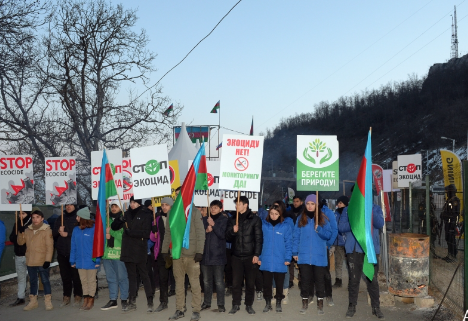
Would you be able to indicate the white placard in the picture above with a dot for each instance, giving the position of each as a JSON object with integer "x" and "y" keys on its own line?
{"x": 213, "y": 170}
{"x": 16, "y": 179}
{"x": 150, "y": 171}
{"x": 60, "y": 180}
{"x": 241, "y": 163}
{"x": 114, "y": 157}
{"x": 409, "y": 169}
{"x": 15, "y": 207}
{"x": 127, "y": 178}
{"x": 230, "y": 196}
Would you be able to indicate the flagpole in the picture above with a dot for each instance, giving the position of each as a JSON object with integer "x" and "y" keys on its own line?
{"x": 208, "y": 200}
{"x": 62, "y": 214}
{"x": 237, "y": 209}
{"x": 107, "y": 212}
{"x": 20, "y": 215}
{"x": 16, "y": 221}
{"x": 316, "y": 210}
{"x": 219, "y": 125}
{"x": 154, "y": 210}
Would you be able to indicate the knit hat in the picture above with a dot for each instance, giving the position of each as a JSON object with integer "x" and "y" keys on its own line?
{"x": 84, "y": 213}
{"x": 37, "y": 211}
{"x": 344, "y": 199}
{"x": 148, "y": 203}
{"x": 168, "y": 200}
{"x": 115, "y": 202}
{"x": 311, "y": 198}
{"x": 138, "y": 200}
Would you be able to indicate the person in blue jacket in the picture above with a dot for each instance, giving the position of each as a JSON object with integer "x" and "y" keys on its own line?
{"x": 2, "y": 240}
{"x": 276, "y": 255}
{"x": 355, "y": 260}
{"x": 81, "y": 256}
{"x": 338, "y": 246}
{"x": 310, "y": 251}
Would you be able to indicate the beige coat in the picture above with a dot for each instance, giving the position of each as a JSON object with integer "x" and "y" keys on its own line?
{"x": 196, "y": 237}
{"x": 39, "y": 245}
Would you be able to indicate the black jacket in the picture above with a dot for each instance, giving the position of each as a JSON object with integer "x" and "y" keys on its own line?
{"x": 214, "y": 252}
{"x": 137, "y": 229}
{"x": 248, "y": 240}
{"x": 20, "y": 250}
{"x": 294, "y": 213}
{"x": 63, "y": 244}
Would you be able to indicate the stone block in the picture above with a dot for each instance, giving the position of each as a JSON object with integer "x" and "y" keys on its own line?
{"x": 386, "y": 299}
{"x": 424, "y": 302}
{"x": 404, "y": 299}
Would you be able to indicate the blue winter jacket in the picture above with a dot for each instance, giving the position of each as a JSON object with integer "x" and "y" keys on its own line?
{"x": 340, "y": 239}
{"x": 277, "y": 247}
{"x": 350, "y": 241}
{"x": 2, "y": 237}
{"x": 81, "y": 252}
{"x": 331, "y": 217}
{"x": 262, "y": 213}
{"x": 309, "y": 245}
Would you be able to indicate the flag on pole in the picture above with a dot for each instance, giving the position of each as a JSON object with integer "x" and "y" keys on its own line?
{"x": 216, "y": 108}
{"x": 181, "y": 212}
{"x": 251, "y": 128}
{"x": 360, "y": 211}
{"x": 107, "y": 189}
{"x": 168, "y": 110}
{"x": 219, "y": 146}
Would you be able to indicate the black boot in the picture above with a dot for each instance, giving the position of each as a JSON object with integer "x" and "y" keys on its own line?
{"x": 124, "y": 304}
{"x": 351, "y": 311}
{"x": 267, "y": 307}
{"x": 17, "y": 302}
{"x": 320, "y": 306}
{"x": 305, "y": 305}
{"x": 162, "y": 306}
{"x": 249, "y": 309}
{"x": 338, "y": 283}
{"x": 234, "y": 309}
{"x": 150, "y": 304}
{"x": 376, "y": 311}
{"x": 131, "y": 306}
{"x": 278, "y": 306}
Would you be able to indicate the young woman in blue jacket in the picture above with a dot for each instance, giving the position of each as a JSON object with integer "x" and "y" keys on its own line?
{"x": 81, "y": 256}
{"x": 276, "y": 255}
{"x": 310, "y": 252}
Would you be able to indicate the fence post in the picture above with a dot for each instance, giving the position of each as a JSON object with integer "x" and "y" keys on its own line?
{"x": 428, "y": 225}
{"x": 465, "y": 223}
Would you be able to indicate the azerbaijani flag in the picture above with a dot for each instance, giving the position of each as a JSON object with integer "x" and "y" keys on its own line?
{"x": 216, "y": 108}
{"x": 251, "y": 128}
{"x": 360, "y": 211}
{"x": 171, "y": 107}
{"x": 219, "y": 146}
{"x": 181, "y": 211}
{"x": 106, "y": 189}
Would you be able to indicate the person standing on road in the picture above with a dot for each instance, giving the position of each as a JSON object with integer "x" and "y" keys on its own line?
{"x": 339, "y": 244}
{"x": 39, "y": 251}
{"x": 276, "y": 255}
{"x": 116, "y": 272}
{"x": 69, "y": 275}
{"x": 295, "y": 211}
{"x": 81, "y": 256}
{"x": 20, "y": 258}
{"x": 310, "y": 252}
{"x": 247, "y": 242}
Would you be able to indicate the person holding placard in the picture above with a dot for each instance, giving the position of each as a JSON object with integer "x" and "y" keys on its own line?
{"x": 310, "y": 251}
{"x": 39, "y": 252}
{"x": 63, "y": 232}
{"x": 23, "y": 221}
{"x": 276, "y": 255}
{"x": 247, "y": 241}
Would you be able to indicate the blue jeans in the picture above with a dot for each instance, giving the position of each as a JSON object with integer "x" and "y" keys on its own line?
{"x": 286, "y": 281}
{"x": 116, "y": 275}
{"x": 216, "y": 272}
{"x": 33, "y": 281}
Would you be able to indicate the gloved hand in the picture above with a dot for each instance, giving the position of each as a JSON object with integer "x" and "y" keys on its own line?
{"x": 122, "y": 218}
{"x": 331, "y": 251}
{"x": 46, "y": 265}
{"x": 198, "y": 257}
{"x": 154, "y": 229}
{"x": 21, "y": 229}
{"x": 128, "y": 232}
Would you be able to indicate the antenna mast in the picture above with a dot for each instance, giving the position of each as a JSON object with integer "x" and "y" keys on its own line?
{"x": 454, "y": 53}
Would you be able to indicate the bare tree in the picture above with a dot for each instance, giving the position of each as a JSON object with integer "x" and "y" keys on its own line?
{"x": 91, "y": 51}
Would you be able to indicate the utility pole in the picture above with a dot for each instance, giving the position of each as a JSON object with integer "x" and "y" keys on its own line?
{"x": 454, "y": 53}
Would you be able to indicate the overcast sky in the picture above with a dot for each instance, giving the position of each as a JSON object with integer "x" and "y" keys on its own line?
{"x": 272, "y": 59}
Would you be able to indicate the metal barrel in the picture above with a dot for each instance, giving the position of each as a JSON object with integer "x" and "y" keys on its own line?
{"x": 409, "y": 264}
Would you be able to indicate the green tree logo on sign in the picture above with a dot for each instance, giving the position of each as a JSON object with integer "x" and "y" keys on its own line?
{"x": 312, "y": 152}
{"x": 152, "y": 167}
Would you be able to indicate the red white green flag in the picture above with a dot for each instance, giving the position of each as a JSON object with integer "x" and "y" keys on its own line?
{"x": 216, "y": 107}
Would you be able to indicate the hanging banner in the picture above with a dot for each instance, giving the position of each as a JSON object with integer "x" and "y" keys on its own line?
{"x": 452, "y": 167}
{"x": 115, "y": 160}
{"x": 395, "y": 175}
{"x": 150, "y": 171}
{"x": 241, "y": 163}
{"x": 213, "y": 170}
{"x": 195, "y": 133}
{"x": 175, "y": 182}
{"x": 291, "y": 194}
{"x": 229, "y": 197}
{"x": 377, "y": 173}
{"x": 16, "y": 179}
{"x": 317, "y": 163}
{"x": 60, "y": 180}
{"x": 127, "y": 179}
{"x": 409, "y": 169}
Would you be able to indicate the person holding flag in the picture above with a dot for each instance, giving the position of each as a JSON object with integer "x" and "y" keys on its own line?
{"x": 360, "y": 224}
{"x": 186, "y": 233}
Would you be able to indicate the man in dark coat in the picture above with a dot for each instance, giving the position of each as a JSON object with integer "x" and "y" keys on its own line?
{"x": 136, "y": 223}
{"x": 247, "y": 242}
{"x": 63, "y": 235}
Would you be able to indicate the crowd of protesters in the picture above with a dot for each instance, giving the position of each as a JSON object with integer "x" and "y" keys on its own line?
{"x": 249, "y": 256}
